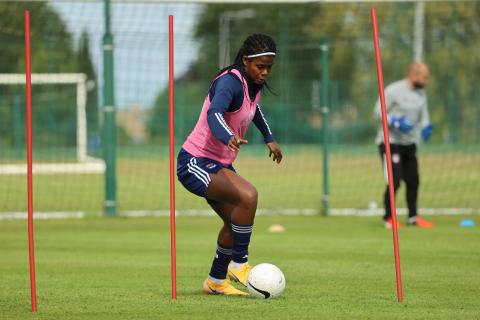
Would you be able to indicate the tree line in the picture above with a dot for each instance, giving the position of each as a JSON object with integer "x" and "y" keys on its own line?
{"x": 451, "y": 46}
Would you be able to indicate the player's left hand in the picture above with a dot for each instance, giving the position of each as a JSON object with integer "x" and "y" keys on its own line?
{"x": 427, "y": 132}
{"x": 275, "y": 151}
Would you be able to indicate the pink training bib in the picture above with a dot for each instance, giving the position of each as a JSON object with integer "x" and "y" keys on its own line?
{"x": 202, "y": 143}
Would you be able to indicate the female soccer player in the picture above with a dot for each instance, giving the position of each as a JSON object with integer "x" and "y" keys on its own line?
{"x": 204, "y": 164}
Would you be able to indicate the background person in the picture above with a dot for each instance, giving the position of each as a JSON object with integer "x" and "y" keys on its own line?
{"x": 407, "y": 114}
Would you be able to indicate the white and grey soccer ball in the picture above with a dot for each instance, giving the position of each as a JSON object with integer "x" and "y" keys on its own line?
{"x": 266, "y": 281}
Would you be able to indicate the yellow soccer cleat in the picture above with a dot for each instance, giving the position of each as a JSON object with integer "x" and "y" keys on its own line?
{"x": 224, "y": 287}
{"x": 240, "y": 274}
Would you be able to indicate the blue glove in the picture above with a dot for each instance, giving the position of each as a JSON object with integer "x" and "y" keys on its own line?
{"x": 400, "y": 123}
{"x": 427, "y": 132}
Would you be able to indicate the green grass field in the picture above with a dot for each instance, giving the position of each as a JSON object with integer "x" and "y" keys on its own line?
{"x": 449, "y": 179}
{"x": 336, "y": 268}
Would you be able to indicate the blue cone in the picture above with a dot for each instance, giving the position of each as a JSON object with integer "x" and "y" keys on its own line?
{"x": 467, "y": 223}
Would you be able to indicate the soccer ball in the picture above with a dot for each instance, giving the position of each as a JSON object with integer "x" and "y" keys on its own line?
{"x": 266, "y": 281}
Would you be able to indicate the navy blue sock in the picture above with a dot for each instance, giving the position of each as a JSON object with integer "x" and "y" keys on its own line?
{"x": 241, "y": 239}
{"x": 223, "y": 256}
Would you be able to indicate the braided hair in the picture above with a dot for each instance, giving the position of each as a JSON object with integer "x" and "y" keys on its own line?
{"x": 254, "y": 44}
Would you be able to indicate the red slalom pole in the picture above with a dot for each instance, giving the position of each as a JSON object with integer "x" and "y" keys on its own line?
{"x": 173, "y": 248}
{"x": 388, "y": 154}
{"x": 28, "y": 113}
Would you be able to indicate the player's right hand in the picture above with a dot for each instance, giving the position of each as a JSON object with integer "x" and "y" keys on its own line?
{"x": 235, "y": 142}
{"x": 400, "y": 123}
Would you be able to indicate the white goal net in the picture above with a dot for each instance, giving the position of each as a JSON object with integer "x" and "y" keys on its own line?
{"x": 59, "y": 130}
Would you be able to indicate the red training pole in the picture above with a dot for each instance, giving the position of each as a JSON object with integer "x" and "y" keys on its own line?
{"x": 173, "y": 248}
{"x": 28, "y": 113}
{"x": 388, "y": 155}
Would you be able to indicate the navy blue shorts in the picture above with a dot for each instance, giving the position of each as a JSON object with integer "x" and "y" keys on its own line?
{"x": 193, "y": 172}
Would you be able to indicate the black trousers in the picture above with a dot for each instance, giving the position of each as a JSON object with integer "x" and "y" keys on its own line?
{"x": 404, "y": 167}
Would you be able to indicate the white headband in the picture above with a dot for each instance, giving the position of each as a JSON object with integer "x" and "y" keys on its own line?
{"x": 261, "y": 54}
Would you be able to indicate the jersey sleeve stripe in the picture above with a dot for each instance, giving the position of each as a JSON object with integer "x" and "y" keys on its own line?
{"x": 264, "y": 120}
{"x": 220, "y": 118}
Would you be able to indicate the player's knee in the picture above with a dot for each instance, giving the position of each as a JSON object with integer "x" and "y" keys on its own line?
{"x": 249, "y": 198}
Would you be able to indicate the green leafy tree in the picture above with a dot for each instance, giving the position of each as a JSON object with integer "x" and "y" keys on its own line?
{"x": 297, "y": 63}
{"x": 51, "y": 44}
{"x": 51, "y": 51}
{"x": 450, "y": 49}
{"x": 85, "y": 65}
{"x": 451, "y": 37}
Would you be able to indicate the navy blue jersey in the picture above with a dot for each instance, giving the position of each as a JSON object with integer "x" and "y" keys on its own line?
{"x": 226, "y": 95}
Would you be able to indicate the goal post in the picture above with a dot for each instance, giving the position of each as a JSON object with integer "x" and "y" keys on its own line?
{"x": 84, "y": 163}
